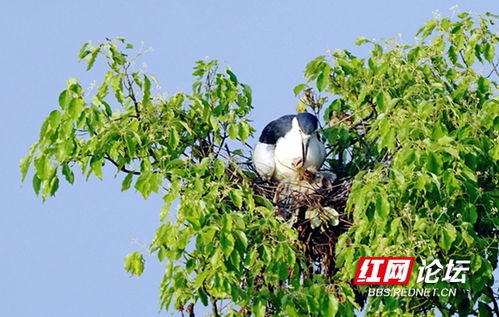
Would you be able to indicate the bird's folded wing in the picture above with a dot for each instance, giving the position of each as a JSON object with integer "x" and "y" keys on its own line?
{"x": 263, "y": 159}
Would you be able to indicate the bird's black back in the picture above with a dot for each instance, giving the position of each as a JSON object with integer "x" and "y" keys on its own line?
{"x": 276, "y": 129}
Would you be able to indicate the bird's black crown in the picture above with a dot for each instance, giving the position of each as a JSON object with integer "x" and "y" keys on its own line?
{"x": 308, "y": 122}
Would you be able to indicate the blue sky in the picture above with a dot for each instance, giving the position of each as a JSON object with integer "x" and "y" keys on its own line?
{"x": 65, "y": 257}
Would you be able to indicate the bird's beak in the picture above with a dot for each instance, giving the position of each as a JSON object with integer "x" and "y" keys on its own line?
{"x": 304, "y": 149}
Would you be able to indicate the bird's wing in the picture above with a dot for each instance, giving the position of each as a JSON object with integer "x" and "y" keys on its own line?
{"x": 316, "y": 155}
{"x": 263, "y": 159}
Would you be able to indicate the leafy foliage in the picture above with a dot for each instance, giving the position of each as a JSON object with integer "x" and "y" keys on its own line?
{"x": 414, "y": 126}
{"x": 417, "y": 125}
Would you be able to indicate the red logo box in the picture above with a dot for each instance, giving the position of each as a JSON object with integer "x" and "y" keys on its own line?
{"x": 384, "y": 271}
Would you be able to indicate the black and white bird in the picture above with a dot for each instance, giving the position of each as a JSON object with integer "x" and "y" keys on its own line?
{"x": 288, "y": 146}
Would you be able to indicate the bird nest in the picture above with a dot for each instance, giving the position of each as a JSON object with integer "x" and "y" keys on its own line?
{"x": 315, "y": 207}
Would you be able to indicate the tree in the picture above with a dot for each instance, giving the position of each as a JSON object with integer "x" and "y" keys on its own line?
{"x": 411, "y": 131}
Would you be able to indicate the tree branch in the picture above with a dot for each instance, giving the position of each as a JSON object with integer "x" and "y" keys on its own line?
{"x": 190, "y": 310}
{"x": 494, "y": 69}
{"x": 494, "y": 301}
{"x": 214, "y": 307}
{"x": 121, "y": 168}
{"x": 131, "y": 93}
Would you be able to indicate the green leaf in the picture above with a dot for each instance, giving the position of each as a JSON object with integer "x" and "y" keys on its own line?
{"x": 219, "y": 167}
{"x": 452, "y": 53}
{"x": 96, "y": 166}
{"x": 244, "y": 131}
{"x": 54, "y": 185}
{"x": 36, "y": 184}
{"x": 247, "y": 93}
{"x": 92, "y": 57}
{"x": 471, "y": 214}
{"x": 68, "y": 173}
{"x": 233, "y": 131}
{"x": 484, "y": 310}
{"x": 428, "y": 28}
{"x": 107, "y": 108}
{"x": 117, "y": 86}
{"x": 134, "y": 263}
{"x": 291, "y": 311}
{"x": 489, "y": 51}
{"x": 347, "y": 66}
{"x": 259, "y": 308}
{"x": 382, "y": 205}
{"x": 232, "y": 76}
{"x": 372, "y": 64}
{"x": 469, "y": 55}
{"x": 127, "y": 181}
{"x": 83, "y": 51}
{"x": 382, "y": 101}
{"x": 227, "y": 243}
{"x": 476, "y": 263}
{"x": 299, "y": 89}
{"x": 173, "y": 138}
{"x": 116, "y": 55}
{"x": 323, "y": 78}
{"x": 147, "y": 90}
{"x": 43, "y": 167}
{"x": 241, "y": 236}
{"x": 24, "y": 166}
{"x": 467, "y": 238}
{"x": 237, "y": 197}
{"x": 75, "y": 108}
{"x": 227, "y": 223}
{"x": 483, "y": 84}
{"x": 322, "y": 81}
{"x": 434, "y": 163}
{"x": 447, "y": 236}
{"x": 64, "y": 99}
{"x": 361, "y": 40}
{"x": 130, "y": 143}
{"x": 330, "y": 305}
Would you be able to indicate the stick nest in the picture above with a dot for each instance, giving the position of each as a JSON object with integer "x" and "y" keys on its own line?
{"x": 315, "y": 208}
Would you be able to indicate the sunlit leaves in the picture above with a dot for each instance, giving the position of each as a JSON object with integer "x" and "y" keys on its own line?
{"x": 419, "y": 121}
{"x": 427, "y": 29}
{"x": 414, "y": 126}
{"x": 134, "y": 263}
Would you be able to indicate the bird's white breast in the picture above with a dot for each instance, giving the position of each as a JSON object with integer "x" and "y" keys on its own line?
{"x": 288, "y": 151}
